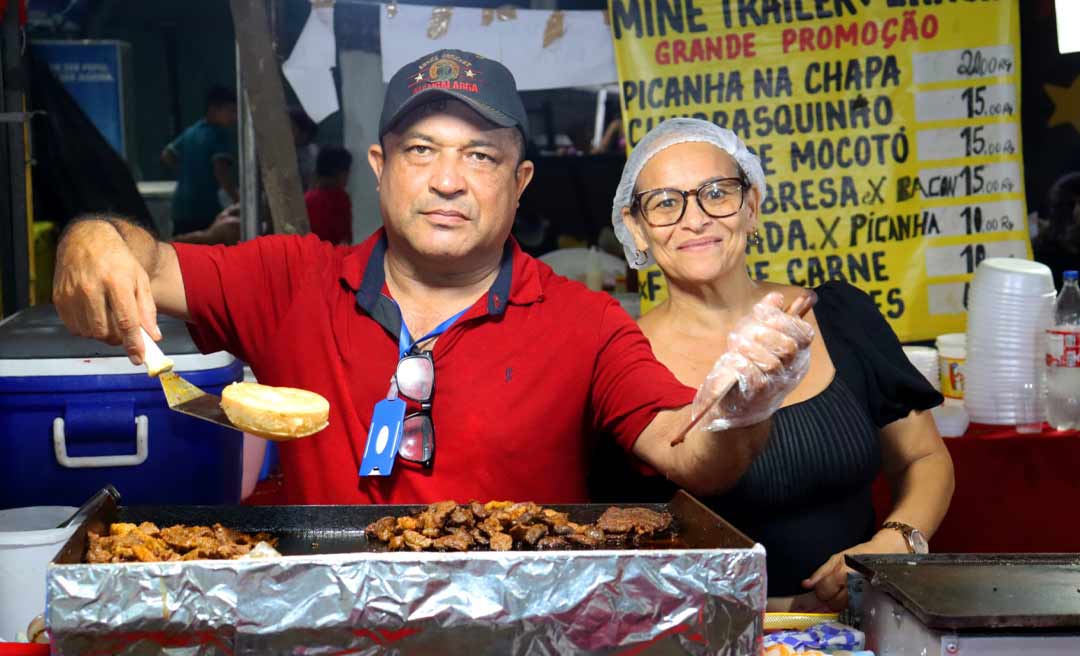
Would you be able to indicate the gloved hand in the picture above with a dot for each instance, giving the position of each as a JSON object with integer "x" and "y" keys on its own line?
{"x": 768, "y": 355}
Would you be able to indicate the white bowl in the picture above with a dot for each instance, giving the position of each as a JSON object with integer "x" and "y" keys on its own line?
{"x": 29, "y": 539}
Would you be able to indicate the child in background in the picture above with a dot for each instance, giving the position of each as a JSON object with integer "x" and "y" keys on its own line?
{"x": 328, "y": 205}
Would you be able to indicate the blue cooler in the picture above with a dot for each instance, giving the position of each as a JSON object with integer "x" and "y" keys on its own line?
{"x": 75, "y": 414}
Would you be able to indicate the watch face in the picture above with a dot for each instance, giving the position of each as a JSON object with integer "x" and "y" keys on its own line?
{"x": 918, "y": 542}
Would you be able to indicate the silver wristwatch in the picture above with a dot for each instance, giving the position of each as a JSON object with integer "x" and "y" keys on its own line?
{"x": 916, "y": 541}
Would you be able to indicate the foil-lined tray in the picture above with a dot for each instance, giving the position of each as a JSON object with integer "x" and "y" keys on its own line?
{"x": 336, "y": 593}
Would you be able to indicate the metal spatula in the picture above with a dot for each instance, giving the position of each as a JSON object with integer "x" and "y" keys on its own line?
{"x": 181, "y": 395}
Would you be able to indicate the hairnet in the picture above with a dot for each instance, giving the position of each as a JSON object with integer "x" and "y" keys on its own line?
{"x": 667, "y": 134}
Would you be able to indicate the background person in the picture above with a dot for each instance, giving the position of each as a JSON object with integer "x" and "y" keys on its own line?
{"x": 328, "y": 205}
{"x": 203, "y": 157}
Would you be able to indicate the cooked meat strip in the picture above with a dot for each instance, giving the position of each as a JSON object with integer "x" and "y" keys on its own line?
{"x": 592, "y": 532}
{"x": 416, "y": 541}
{"x": 584, "y": 540}
{"x": 437, "y": 514}
{"x": 147, "y": 543}
{"x": 458, "y": 540}
{"x": 185, "y": 538}
{"x": 530, "y": 534}
{"x": 491, "y": 526}
{"x": 383, "y": 529}
{"x": 478, "y": 535}
{"x": 554, "y": 518}
{"x": 505, "y": 525}
{"x": 641, "y": 521}
{"x": 461, "y": 516}
{"x": 501, "y": 542}
{"x": 553, "y": 543}
{"x": 517, "y": 510}
{"x": 501, "y": 515}
{"x": 120, "y": 529}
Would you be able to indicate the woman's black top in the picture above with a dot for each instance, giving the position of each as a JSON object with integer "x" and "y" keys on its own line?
{"x": 808, "y": 494}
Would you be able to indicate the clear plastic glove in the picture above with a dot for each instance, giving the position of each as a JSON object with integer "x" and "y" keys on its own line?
{"x": 768, "y": 355}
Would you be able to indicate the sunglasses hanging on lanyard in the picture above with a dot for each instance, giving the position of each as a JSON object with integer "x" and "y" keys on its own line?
{"x": 414, "y": 377}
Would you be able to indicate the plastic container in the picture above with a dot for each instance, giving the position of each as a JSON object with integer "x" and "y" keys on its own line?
{"x": 1008, "y": 275}
{"x": 951, "y": 420}
{"x": 925, "y": 359}
{"x": 76, "y": 415}
{"x": 29, "y": 540}
{"x": 952, "y": 354}
{"x": 1063, "y": 358}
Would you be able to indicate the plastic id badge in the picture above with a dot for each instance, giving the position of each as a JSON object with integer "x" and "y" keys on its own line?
{"x": 383, "y": 439}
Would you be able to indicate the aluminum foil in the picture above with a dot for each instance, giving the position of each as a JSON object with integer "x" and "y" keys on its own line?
{"x": 696, "y": 601}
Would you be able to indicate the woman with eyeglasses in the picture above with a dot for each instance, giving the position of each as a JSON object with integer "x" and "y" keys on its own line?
{"x": 690, "y": 200}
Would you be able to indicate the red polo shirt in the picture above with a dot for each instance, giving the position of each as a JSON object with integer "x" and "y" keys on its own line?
{"x": 532, "y": 370}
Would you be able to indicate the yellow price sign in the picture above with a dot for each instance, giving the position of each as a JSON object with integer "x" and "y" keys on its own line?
{"x": 889, "y": 133}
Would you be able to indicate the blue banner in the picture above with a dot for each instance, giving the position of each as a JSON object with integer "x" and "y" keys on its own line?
{"x": 91, "y": 74}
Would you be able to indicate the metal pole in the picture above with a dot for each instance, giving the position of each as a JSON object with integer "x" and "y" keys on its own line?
{"x": 251, "y": 206}
{"x": 266, "y": 101}
{"x": 16, "y": 247}
{"x": 7, "y": 249}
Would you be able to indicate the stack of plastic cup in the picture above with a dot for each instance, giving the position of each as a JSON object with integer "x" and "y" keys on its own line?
{"x": 1010, "y": 307}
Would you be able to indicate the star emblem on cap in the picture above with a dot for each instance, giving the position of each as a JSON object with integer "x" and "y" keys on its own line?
{"x": 469, "y": 73}
{"x": 419, "y": 77}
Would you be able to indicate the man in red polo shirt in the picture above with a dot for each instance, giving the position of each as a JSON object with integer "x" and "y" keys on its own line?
{"x": 522, "y": 365}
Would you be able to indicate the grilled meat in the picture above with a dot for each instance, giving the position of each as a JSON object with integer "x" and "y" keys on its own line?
{"x": 382, "y": 528}
{"x": 639, "y": 521}
{"x": 416, "y": 541}
{"x": 553, "y": 543}
{"x": 457, "y": 540}
{"x": 501, "y": 542}
{"x": 147, "y": 543}
{"x": 506, "y": 525}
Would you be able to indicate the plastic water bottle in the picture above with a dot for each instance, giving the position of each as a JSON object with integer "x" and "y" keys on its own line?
{"x": 1063, "y": 358}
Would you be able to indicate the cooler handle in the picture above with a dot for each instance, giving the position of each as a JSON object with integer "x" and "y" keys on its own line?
{"x": 142, "y": 448}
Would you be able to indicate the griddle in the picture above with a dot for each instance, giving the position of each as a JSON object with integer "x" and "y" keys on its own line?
{"x": 319, "y": 530}
{"x": 966, "y": 592}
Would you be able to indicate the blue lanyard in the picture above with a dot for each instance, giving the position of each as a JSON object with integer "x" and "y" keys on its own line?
{"x": 406, "y": 342}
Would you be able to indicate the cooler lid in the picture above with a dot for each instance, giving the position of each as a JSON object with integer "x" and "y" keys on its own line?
{"x": 34, "y": 342}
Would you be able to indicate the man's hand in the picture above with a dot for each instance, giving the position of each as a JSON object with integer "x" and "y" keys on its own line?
{"x": 101, "y": 290}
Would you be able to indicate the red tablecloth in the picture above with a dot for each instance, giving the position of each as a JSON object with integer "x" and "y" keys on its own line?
{"x": 1014, "y": 492}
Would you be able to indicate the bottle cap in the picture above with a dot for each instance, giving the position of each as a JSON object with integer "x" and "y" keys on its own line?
{"x": 1070, "y": 275}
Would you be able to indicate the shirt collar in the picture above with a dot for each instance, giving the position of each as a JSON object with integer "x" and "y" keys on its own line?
{"x": 517, "y": 283}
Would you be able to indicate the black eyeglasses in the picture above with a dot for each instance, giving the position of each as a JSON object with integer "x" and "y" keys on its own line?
{"x": 718, "y": 198}
{"x": 415, "y": 378}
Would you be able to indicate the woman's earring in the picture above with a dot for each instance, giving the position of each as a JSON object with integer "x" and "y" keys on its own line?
{"x": 755, "y": 238}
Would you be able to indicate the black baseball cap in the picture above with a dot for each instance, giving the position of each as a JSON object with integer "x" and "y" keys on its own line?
{"x": 483, "y": 84}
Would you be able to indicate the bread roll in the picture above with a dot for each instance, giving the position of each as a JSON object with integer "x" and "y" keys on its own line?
{"x": 276, "y": 413}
